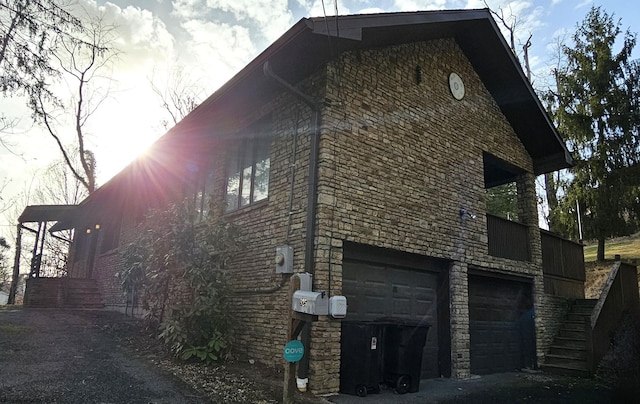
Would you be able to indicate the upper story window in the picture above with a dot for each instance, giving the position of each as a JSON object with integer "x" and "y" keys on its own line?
{"x": 199, "y": 188}
{"x": 248, "y": 165}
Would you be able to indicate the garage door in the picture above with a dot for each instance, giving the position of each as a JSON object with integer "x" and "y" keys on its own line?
{"x": 379, "y": 290}
{"x": 497, "y": 330}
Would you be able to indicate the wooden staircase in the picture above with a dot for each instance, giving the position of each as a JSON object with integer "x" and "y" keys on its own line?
{"x": 81, "y": 293}
{"x": 568, "y": 354}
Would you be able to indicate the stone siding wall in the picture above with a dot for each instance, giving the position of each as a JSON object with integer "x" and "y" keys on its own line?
{"x": 549, "y": 319}
{"x": 399, "y": 158}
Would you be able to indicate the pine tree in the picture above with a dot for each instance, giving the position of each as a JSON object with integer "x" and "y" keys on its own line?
{"x": 596, "y": 109}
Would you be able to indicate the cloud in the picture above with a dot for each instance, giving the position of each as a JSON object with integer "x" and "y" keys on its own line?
{"x": 219, "y": 48}
{"x": 273, "y": 16}
{"x": 188, "y": 9}
{"x": 142, "y": 37}
{"x": 416, "y": 5}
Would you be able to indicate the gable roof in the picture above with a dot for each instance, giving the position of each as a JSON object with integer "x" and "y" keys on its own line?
{"x": 312, "y": 42}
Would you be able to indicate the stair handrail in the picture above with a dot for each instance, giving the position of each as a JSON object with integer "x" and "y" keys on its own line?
{"x": 595, "y": 314}
{"x": 619, "y": 296}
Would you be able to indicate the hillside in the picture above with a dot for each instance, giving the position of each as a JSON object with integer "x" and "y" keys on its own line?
{"x": 627, "y": 247}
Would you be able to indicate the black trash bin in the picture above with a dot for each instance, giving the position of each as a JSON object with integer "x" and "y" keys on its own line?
{"x": 404, "y": 342}
{"x": 361, "y": 358}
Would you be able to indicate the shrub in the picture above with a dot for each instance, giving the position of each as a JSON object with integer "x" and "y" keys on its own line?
{"x": 178, "y": 263}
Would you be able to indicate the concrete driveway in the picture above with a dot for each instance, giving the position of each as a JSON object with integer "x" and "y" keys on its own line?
{"x": 66, "y": 356}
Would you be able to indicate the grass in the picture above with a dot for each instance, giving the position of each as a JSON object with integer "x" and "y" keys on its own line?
{"x": 628, "y": 248}
{"x": 597, "y": 272}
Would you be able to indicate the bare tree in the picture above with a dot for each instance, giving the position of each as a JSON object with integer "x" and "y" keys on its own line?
{"x": 58, "y": 186}
{"x": 28, "y": 29}
{"x": 510, "y": 23}
{"x": 28, "y": 32}
{"x": 4, "y": 264}
{"x": 86, "y": 67}
{"x": 179, "y": 96}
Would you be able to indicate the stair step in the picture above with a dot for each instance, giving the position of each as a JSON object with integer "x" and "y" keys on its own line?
{"x": 84, "y": 306}
{"x": 573, "y": 325}
{"x": 568, "y": 352}
{"x": 586, "y": 302}
{"x": 565, "y": 370}
{"x": 577, "y": 318}
{"x": 561, "y": 353}
{"x": 570, "y": 363}
{"x": 572, "y": 334}
{"x": 570, "y": 342}
{"x": 82, "y": 293}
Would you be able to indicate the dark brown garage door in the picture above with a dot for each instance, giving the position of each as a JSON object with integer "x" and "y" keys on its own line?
{"x": 379, "y": 290}
{"x": 498, "y": 332}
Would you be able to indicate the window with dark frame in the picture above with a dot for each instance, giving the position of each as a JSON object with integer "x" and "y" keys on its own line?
{"x": 200, "y": 189}
{"x": 111, "y": 234}
{"x": 247, "y": 170}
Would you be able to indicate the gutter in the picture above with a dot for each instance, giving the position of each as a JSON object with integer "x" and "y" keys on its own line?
{"x": 303, "y": 365}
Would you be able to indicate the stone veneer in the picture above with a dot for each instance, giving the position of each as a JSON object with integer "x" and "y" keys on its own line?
{"x": 398, "y": 160}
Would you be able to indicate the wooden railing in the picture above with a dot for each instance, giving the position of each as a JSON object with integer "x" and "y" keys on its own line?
{"x": 507, "y": 239}
{"x": 619, "y": 296}
{"x": 562, "y": 257}
{"x": 563, "y": 266}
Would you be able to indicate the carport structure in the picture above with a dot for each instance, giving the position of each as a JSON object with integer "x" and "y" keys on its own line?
{"x": 42, "y": 215}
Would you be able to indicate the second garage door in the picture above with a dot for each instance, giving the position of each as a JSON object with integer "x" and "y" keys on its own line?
{"x": 501, "y": 332}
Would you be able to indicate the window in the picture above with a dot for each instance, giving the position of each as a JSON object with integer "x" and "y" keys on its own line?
{"x": 200, "y": 188}
{"x": 111, "y": 234}
{"x": 248, "y": 172}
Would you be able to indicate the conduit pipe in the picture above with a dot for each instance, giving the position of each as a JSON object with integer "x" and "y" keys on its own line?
{"x": 303, "y": 365}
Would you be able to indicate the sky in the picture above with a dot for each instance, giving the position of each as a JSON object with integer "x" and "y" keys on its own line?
{"x": 211, "y": 40}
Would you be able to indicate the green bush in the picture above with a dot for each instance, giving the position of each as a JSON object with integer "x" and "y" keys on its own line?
{"x": 178, "y": 265}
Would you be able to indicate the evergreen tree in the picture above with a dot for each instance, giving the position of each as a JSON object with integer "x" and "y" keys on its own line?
{"x": 596, "y": 109}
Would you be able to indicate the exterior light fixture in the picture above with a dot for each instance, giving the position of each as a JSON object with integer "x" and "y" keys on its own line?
{"x": 97, "y": 227}
{"x": 464, "y": 214}
{"x": 88, "y": 231}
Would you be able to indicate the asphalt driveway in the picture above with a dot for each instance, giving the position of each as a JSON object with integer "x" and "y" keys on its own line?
{"x": 54, "y": 356}
{"x": 67, "y": 356}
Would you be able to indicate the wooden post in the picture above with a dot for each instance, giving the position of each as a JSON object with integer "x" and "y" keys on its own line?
{"x": 290, "y": 367}
{"x": 295, "y": 322}
{"x": 16, "y": 268}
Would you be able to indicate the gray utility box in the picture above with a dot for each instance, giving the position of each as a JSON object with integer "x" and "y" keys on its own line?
{"x": 284, "y": 259}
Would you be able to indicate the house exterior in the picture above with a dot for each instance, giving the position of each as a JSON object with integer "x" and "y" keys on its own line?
{"x": 366, "y": 143}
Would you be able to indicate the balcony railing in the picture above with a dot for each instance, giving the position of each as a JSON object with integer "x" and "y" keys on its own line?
{"x": 562, "y": 260}
{"x": 562, "y": 257}
{"x": 507, "y": 239}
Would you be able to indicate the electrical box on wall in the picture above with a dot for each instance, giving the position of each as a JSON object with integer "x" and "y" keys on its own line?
{"x": 315, "y": 303}
{"x": 284, "y": 259}
{"x": 338, "y": 306}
